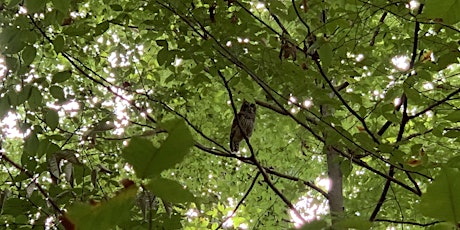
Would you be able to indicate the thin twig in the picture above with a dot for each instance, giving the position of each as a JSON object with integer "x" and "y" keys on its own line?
{"x": 253, "y": 156}
{"x": 34, "y": 180}
{"x": 241, "y": 201}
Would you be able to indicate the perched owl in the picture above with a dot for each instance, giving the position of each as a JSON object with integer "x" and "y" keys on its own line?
{"x": 247, "y": 117}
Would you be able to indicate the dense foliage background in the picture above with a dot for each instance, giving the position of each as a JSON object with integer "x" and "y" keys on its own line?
{"x": 116, "y": 114}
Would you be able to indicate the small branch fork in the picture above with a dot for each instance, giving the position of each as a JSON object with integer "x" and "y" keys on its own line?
{"x": 253, "y": 156}
{"x": 34, "y": 180}
{"x": 404, "y": 120}
{"x": 241, "y": 201}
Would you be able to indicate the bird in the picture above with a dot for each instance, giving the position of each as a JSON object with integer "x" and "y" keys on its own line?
{"x": 247, "y": 118}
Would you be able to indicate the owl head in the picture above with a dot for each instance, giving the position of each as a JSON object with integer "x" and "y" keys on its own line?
{"x": 248, "y": 107}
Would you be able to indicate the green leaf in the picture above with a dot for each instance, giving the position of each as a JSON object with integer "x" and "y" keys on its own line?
{"x": 149, "y": 161}
{"x": 162, "y": 43}
{"x": 28, "y": 55}
{"x": 35, "y": 99}
{"x": 165, "y": 57}
{"x": 354, "y": 223}
{"x": 139, "y": 153}
{"x": 170, "y": 190}
{"x": 24, "y": 94}
{"x": 52, "y": 119}
{"x": 176, "y": 146}
{"x": 453, "y": 116}
{"x": 325, "y": 54}
{"x": 61, "y": 76}
{"x": 315, "y": 225}
{"x": 57, "y": 92}
{"x": 445, "y": 9}
{"x": 31, "y": 143}
{"x": 441, "y": 201}
{"x": 34, "y": 6}
{"x": 47, "y": 147}
{"x": 12, "y": 38}
{"x": 62, "y": 5}
{"x": 4, "y": 106}
{"x": 116, "y": 7}
{"x": 15, "y": 206}
{"x": 77, "y": 30}
{"x": 105, "y": 215}
{"x": 58, "y": 43}
{"x": 101, "y": 28}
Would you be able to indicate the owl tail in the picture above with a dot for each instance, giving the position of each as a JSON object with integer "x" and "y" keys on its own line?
{"x": 234, "y": 146}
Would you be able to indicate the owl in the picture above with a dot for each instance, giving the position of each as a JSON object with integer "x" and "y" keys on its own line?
{"x": 247, "y": 117}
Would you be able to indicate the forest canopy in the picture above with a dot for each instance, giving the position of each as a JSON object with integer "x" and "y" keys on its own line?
{"x": 235, "y": 114}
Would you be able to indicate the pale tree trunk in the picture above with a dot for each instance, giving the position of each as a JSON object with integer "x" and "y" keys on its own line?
{"x": 335, "y": 177}
{"x": 334, "y": 173}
